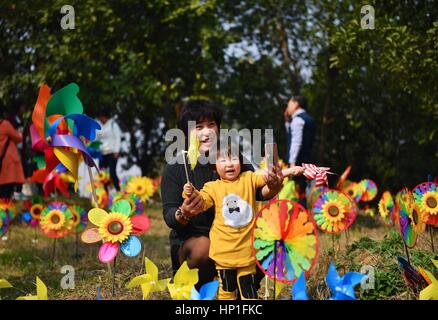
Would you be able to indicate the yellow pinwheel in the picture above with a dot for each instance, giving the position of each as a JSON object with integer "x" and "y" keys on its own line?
{"x": 431, "y": 291}
{"x": 41, "y": 292}
{"x": 149, "y": 281}
{"x": 193, "y": 152}
{"x": 183, "y": 282}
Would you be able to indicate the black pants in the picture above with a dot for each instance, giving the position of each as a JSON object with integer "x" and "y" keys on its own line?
{"x": 110, "y": 162}
{"x": 6, "y": 190}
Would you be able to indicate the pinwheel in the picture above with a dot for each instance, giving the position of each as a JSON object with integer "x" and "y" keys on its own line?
{"x": 117, "y": 230}
{"x": 342, "y": 288}
{"x": 193, "y": 152}
{"x": 80, "y": 218}
{"x": 408, "y": 218}
{"x": 137, "y": 205}
{"x": 59, "y": 127}
{"x": 4, "y": 284}
{"x": 426, "y": 197}
{"x": 431, "y": 291}
{"x": 56, "y": 220}
{"x": 319, "y": 173}
{"x": 285, "y": 241}
{"x": 41, "y": 292}
{"x": 141, "y": 186}
{"x": 93, "y": 148}
{"x": 9, "y": 207}
{"x": 58, "y": 179}
{"x": 103, "y": 177}
{"x": 149, "y": 281}
{"x": 368, "y": 189}
{"x": 4, "y": 221}
{"x": 334, "y": 211}
{"x": 299, "y": 289}
{"x": 386, "y": 208}
{"x": 183, "y": 282}
{"x": 343, "y": 178}
{"x": 207, "y": 292}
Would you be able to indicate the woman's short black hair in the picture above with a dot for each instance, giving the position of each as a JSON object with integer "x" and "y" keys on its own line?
{"x": 104, "y": 112}
{"x": 301, "y": 100}
{"x": 198, "y": 111}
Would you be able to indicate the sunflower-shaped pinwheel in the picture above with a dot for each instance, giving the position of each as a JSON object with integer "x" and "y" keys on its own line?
{"x": 368, "y": 188}
{"x": 56, "y": 220}
{"x": 117, "y": 230}
{"x": 285, "y": 240}
{"x": 314, "y": 194}
{"x": 33, "y": 216}
{"x": 386, "y": 208}
{"x": 103, "y": 177}
{"x": 408, "y": 217}
{"x": 137, "y": 205}
{"x": 426, "y": 197}
{"x": 334, "y": 211}
{"x": 80, "y": 218}
{"x": 102, "y": 196}
{"x": 141, "y": 186}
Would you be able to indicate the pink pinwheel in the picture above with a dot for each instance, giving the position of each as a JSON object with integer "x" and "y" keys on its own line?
{"x": 117, "y": 230}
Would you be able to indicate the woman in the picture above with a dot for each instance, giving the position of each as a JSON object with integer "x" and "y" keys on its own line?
{"x": 11, "y": 170}
{"x": 189, "y": 240}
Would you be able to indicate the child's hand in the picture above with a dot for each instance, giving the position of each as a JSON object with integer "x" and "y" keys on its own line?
{"x": 188, "y": 189}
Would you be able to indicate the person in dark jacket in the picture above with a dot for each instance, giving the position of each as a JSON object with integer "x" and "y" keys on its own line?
{"x": 189, "y": 240}
{"x": 300, "y": 128}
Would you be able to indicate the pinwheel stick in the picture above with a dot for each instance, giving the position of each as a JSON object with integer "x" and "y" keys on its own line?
{"x": 53, "y": 251}
{"x": 431, "y": 238}
{"x": 185, "y": 165}
{"x": 93, "y": 188}
{"x": 407, "y": 252}
{"x": 114, "y": 275}
{"x": 275, "y": 265}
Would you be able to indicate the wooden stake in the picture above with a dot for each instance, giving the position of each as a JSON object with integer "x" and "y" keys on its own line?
{"x": 431, "y": 238}
{"x": 93, "y": 188}
{"x": 114, "y": 274}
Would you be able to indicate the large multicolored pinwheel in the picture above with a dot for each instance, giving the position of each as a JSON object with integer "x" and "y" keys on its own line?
{"x": 334, "y": 211}
{"x": 117, "y": 230}
{"x": 408, "y": 217}
{"x": 368, "y": 189}
{"x": 56, "y": 220}
{"x": 426, "y": 197}
{"x": 59, "y": 128}
{"x": 386, "y": 208}
{"x": 314, "y": 194}
{"x": 285, "y": 240}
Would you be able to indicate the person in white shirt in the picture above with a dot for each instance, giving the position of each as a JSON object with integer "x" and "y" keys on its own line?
{"x": 111, "y": 136}
{"x": 300, "y": 128}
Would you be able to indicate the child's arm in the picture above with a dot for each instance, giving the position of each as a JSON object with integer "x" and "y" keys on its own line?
{"x": 293, "y": 171}
{"x": 203, "y": 195}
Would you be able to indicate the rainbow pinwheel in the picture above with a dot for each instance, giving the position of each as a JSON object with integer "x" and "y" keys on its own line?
{"x": 284, "y": 240}
{"x": 9, "y": 207}
{"x": 183, "y": 282}
{"x": 431, "y": 291}
{"x": 426, "y": 197}
{"x": 56, "y": 220}
{"x": 207, "y": 292}
{"x": 334, "y": 211}
{"x": 4, "y": 221}
{"x": 342, "y": 288}
{"x": 411, "y": 275}
{"x": 80, "y": 218}
{"x": 149, "y": 282}
{"x": 117, "y": 230}
{"x": 408, "y": 217}
{"x": 386, "y": 208}
{"x": 368, "y": 188}
{"x": 137, "y": 205}
{"x": 299, "y": 289}
{"x": 141, "y": 186}
{"x": 59, "y": 127}
{"x": 41, "y": 292}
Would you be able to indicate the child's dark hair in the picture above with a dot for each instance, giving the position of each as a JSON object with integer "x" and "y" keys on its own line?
{"x": 199, "y": 110}
{"x": 225, "y": 148}
{"x": 301, "y": 100}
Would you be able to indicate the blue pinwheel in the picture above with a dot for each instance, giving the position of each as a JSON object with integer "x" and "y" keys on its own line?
{"x": 299, "y": 288}
{"x": 342, "y": 288}
{"x": 207, "y": 291}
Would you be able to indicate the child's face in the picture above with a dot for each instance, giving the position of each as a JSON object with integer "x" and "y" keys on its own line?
{"x": 228, "y": 167}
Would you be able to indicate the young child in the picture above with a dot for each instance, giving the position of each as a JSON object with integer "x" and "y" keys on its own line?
{"x": 233, "y": 196}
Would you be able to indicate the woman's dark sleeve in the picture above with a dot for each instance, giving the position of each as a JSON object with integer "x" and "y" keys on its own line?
{"x": 171, "y": 194}
{"x": 259, "y": 195}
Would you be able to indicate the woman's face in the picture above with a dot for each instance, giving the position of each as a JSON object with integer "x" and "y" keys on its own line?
{"x": 207, "y": 132}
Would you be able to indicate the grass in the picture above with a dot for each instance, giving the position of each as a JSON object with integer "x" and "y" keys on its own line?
{"x": 369, "y": 243}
